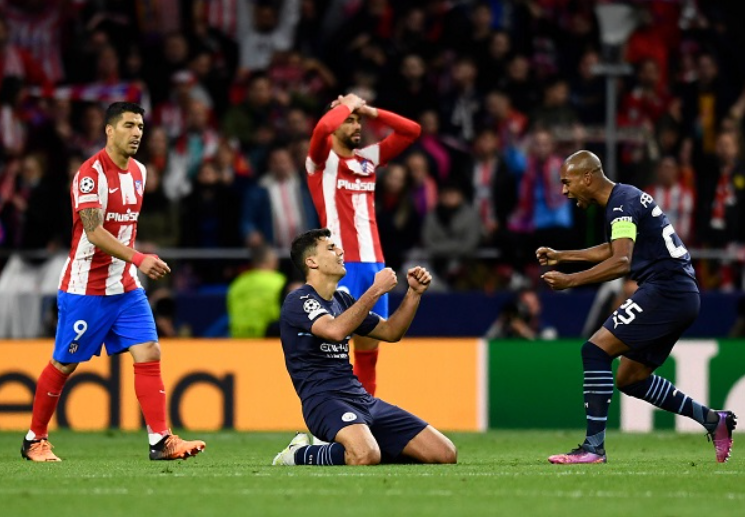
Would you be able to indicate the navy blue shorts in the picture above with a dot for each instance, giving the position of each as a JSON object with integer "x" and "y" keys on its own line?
{"x": 392, "y": 427}
{"x": 360, "y": 276}
{"x": 652, "y": 321}
{"x": 85, "y": 323}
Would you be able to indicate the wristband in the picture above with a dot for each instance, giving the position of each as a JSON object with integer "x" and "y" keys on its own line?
{"x": 137, "y": 258}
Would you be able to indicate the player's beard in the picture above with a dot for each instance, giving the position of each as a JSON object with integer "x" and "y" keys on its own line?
{"x": 349, "y": 143}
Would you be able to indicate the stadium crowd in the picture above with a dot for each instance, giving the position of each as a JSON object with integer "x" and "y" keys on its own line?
{"x": 503, "y": 90}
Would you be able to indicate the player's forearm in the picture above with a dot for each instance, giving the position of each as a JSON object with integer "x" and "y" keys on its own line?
{"x": 401, "y": 125}
{"x": 396, "y": 326}
{"x": 609, "y": 269}
{"x": 349, "y": 320}
{"x": 103, "y": 240}
{"x": 595, "y": 254}
{"x": 331, "y": 121}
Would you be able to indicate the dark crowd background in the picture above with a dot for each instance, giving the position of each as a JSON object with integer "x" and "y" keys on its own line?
{"x": 503, "y": 89}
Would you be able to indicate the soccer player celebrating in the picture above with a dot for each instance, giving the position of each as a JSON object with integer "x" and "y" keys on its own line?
{"x": 645, "y": 327}
{"x": 316, "y": 323}
{"x": 100, "y": 299}
{"x": 341, "y": 178}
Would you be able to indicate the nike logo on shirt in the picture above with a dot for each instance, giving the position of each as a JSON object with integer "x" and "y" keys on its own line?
{"x": 112, "y": 190}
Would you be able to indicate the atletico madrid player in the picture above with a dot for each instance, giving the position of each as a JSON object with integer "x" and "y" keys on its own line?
{"x": 342, "y": 183}
{"x": 100, "y": 299}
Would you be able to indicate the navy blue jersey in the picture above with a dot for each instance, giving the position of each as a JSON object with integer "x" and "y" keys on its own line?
{"x": 316, "y": 365}
{"x": 659, "y": 255}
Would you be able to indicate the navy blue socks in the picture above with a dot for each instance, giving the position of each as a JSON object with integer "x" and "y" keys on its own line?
{"x": 326, "y": 455}
{"x": 597, "y": 390}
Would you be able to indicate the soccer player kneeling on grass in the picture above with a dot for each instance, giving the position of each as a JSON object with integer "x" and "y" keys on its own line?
{"x": 316, "y": 324}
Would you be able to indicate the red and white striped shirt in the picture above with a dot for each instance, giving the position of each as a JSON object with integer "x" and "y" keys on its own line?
{"x": 343, "y": 189}
{"x": 100, "y": 183}
{"x": 678, "y": 204}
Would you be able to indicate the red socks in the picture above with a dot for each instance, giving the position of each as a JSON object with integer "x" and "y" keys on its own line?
{"x": 151, "y": 394}
{"x": 48, "y": 390}
{"x": 364, "y": 368}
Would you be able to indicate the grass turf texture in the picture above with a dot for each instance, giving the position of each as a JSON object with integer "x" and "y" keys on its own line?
{"x": 499, "y": 473}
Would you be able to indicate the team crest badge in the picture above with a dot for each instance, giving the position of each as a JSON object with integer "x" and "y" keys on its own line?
{"x": 72, "y": 348}
{"x": 138, "y": 187}
{"x": 367, "y": 167}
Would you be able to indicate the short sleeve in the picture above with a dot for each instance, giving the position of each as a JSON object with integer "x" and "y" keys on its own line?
{"x": 371, "y": 319}
{"x": 85, "y": 189}
{"x": 302, "y": 311}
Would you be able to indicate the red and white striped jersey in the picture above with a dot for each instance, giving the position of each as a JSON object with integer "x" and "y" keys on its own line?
{"x": 343, "y": 189}
{"x": 678, "y": 203}
{"x": 100, "y": 183}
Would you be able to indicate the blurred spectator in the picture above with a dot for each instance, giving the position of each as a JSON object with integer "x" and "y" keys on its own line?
{"x": 281, "y": 198}
{"x": 254, "y": 296}
{"x": 542, "y": 210}
{"x": 300, "y": 81}
{"x": 45, "y": 207}
{"x": 270, "y": 29}
{"x": 36, "y": 26}
{"x": 555, "y": 111}
{"x": 451, "y": 233}
{"x": 424, "y": 187}
{"x": 171, "y": 114}
{"x": 158, "y": 223}
{"x": 493, "y": 65}
{"x": 519, "y": 86}
{"x": 588, "y": 90}
{"x": 491, "y": 185}
{"x": 209, "y": 219}
{"x": 674, "y": 197}
{"x": 705, "y": 104}
{"x": 723, "y": 195}
{"x": 432, "y": 144}
{"x": 13, "y": 130}
{"x": 648, "y": 100}
{"x": 92, "y": 137}
{"x": 17, "y": 62}
{"x": 509, "y": 123}
{"x": 521, "y": 318}
{"x": 462, "y": 103}
{"x": 250, "y": 121}
{"x": 398, "y": 221}
{"x": 409, "y": 93}
{"x": 171, "y": 57}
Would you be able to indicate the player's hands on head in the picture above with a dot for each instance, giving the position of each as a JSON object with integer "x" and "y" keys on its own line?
{"x": 385, "y": 280}
{"x": 154, "y": 267}
{"x": 547, "y": 256}
{"x": 419, "y": 279}
{"x": 557, "y": 280}
{"x": 352, "y": 101}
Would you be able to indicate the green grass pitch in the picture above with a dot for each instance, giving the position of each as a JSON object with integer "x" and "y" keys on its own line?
{"x": 499, "y": 473}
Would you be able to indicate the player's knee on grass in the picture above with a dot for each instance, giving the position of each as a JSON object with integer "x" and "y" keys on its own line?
{"x": 447, "y": 454}
{"x": 362, "y": 455}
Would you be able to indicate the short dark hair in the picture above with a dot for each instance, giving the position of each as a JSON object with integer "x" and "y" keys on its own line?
{"x": 117, "y": 109}
{"x": 305, "y": 244}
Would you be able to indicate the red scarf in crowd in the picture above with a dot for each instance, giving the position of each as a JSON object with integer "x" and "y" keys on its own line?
{"x": 547, "y": 172}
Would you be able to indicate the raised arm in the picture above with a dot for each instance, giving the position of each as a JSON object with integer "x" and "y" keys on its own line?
{"x": 405, "y": 132}
{"x": 336, "y": 329}
{"x": 618, "y": 264}
{"x": 395, "y": 327}
{"x": 551, "y": 257}
{"x": 320, "y": 143}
